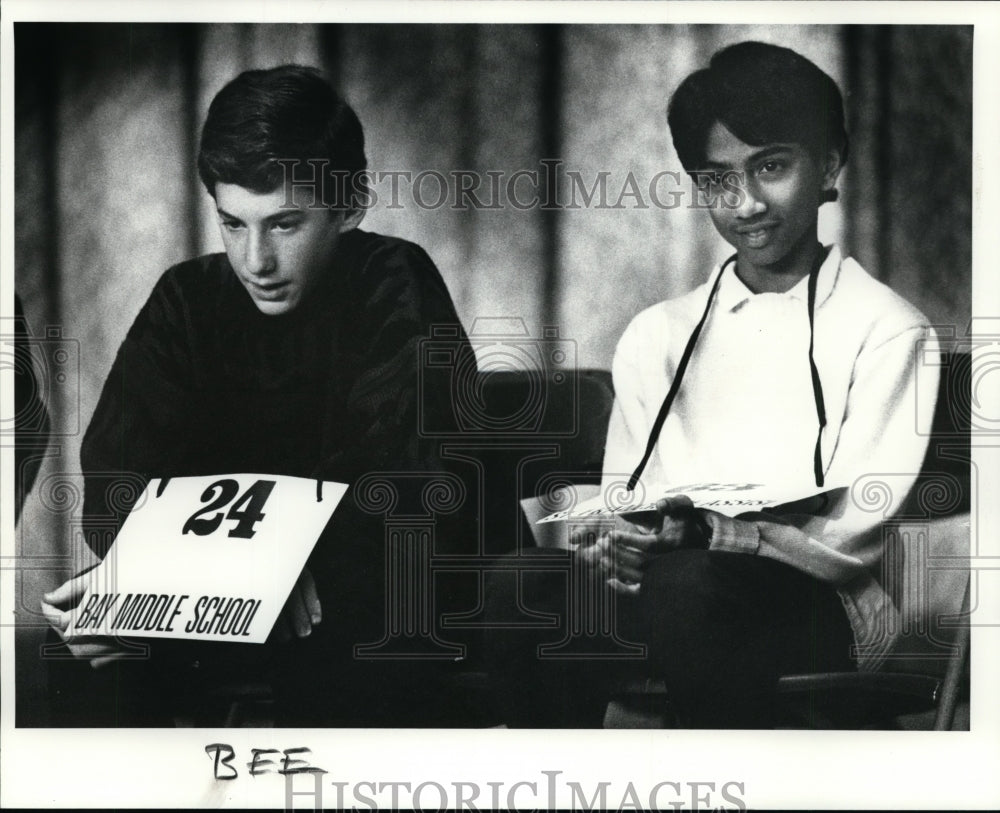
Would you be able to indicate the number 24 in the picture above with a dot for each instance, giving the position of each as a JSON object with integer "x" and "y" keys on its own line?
{"x": 248, "y": 510}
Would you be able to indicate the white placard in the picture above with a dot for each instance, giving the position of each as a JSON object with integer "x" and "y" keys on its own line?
{"x": 731, "y": 499}
{"x": 207, "y": 558}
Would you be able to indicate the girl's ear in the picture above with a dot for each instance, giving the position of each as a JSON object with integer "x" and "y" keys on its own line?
{"x": 831, "y": 169}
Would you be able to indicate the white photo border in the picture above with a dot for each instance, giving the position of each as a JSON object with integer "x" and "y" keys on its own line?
{"x": 144, "y": 768}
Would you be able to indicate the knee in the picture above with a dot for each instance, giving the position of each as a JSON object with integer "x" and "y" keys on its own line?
{"x": 684, "y": 598}
{"x": 683, "y": 579}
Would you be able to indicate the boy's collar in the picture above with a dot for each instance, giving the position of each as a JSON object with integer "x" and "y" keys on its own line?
{"x": 733, "y": 292}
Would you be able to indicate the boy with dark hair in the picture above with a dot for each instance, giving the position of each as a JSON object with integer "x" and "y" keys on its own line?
{"x": 790, "y": 367}
{"x": 295, "y": 352}
{"x": 267, "y": 127}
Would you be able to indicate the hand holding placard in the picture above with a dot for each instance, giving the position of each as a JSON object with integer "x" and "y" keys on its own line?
{"x": 57, "y": 606}
{"x": 302, "y": 610}
{"x": 209, "y": 558}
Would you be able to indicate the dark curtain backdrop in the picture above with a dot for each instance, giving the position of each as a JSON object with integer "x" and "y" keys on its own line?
{"x": 107, "y": 119}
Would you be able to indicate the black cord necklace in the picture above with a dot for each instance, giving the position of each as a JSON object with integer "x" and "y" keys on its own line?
{"x": 817, "y": 386}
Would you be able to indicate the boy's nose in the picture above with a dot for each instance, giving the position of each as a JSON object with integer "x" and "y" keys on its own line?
{"x": 258, "y": 259}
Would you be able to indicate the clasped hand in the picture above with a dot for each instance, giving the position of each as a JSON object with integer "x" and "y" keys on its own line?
{"x": 624, "y": 553}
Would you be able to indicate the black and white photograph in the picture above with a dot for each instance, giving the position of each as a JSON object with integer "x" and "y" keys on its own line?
{"x": 487, "y": 406}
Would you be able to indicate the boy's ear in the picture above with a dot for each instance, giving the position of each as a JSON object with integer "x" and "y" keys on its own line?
{"x": 352, "y": 219}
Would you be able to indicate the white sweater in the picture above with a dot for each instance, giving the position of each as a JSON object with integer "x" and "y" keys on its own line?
{"x": 745, "y": 412}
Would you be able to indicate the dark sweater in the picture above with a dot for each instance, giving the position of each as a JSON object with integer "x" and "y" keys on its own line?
{"x": 206, "y": 384}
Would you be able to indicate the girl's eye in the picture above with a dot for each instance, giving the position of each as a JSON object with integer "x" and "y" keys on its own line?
{"x": 771, "y": 166}
{"x": 284, "y": 227}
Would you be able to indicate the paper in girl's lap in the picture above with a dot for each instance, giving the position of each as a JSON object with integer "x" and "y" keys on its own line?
{"x": 731, "y": 499}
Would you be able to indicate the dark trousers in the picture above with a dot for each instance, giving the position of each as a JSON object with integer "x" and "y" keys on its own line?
{"x": 719, "y": 628}
{"x": 318, "y": 681}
